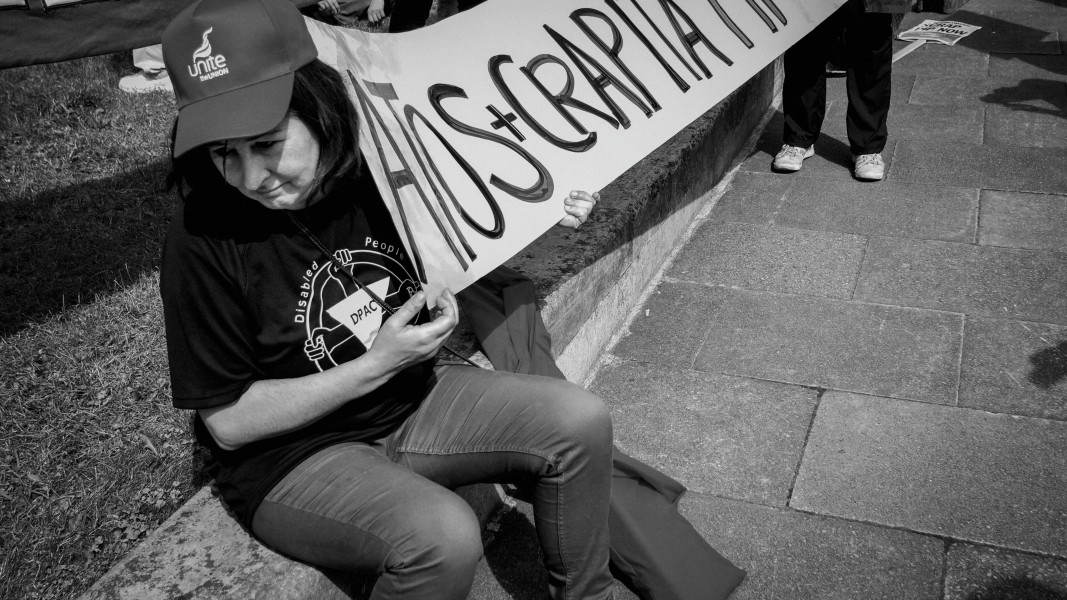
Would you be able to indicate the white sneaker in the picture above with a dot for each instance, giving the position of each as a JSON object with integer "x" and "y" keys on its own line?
{"x": 868, "y": 167}
{"x": 791, "y": 158}
{"x": 143, "y": 82}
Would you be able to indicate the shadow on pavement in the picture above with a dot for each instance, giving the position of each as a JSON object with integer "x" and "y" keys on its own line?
{"x": 512, "y": 558}
{"x": 1026, "y": 95}
{"x": 1018, "y": 41}
{"x": 1049, "y": 366}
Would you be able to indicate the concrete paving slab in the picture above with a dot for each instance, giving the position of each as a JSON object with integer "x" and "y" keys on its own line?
{"x": 671, "y": 327}
{"x": 942, "y": 60}
{"x": 1002, "y": 33}
{"x": 984, "y": 573}
{"x": 911, "y": 19}
{"x": 793, "y": 556}
{"x": 954, "y": 472}
{"x": 903, "y": 84}
{"x": 913, "y": 121}
{"x": 1029, "y": 66}
{"x": 1014, "y": 367}
{"x": 1031, "y": 94}
{"x": 763, "y": 257}
{"x": 945, "y": 123}
{"x": 1021, "y": 220}
{"x": 1030, "y": 22}
{"x": 968, "y": 165}
{"x": 728, "y": 436}
{"x": 899, "y": 210}
{"x": 1032, "y": 128}
{"x": 867, "y": 348}
{"x": 976, "y": 280}
{"x": 752, "y": 198}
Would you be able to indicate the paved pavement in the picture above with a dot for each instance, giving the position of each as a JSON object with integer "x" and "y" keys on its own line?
{"x": 864, "y": 385}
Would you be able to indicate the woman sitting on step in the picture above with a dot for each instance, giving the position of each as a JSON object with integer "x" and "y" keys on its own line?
{"x": 337, "y": 445}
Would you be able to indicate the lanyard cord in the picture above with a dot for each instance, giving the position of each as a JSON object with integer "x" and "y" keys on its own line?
{"x": 359, "y": 284}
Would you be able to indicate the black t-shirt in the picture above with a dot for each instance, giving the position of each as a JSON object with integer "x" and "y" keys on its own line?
{"x": 247, "y": 297}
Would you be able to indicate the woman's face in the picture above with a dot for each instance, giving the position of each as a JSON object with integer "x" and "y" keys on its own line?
{"x": 277, "y": 169}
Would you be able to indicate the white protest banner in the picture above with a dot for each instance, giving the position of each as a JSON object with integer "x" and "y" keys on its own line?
{"x": 477, "y": 127}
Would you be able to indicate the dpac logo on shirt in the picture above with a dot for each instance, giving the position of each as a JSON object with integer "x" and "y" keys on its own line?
{"x": 360, "y": 313}
{"x": 341, "y": 319}
{"x": 205, "y": 64}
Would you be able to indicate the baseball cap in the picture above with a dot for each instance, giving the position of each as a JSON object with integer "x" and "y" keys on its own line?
{"x": 232, "y": 63}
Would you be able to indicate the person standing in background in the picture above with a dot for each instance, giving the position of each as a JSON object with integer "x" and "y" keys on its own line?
{"x": 868, "y": 39}
{"x": 412, "y": 14}
{"x": 151, "y": 75}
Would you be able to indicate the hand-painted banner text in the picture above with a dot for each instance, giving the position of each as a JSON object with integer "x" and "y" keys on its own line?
{"x": 478, "y": 126}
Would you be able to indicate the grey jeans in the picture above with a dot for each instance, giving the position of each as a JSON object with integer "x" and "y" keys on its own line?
{"x": 387, "y": 509}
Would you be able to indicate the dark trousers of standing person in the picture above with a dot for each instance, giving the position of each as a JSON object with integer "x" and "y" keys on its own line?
{"x": 412, "y": 14}
{"x": 868, "y": 39}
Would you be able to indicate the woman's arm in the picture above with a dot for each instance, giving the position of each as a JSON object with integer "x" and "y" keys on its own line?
{"x": 277, "y": 406}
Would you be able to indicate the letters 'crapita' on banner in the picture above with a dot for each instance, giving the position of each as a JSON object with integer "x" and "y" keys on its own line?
{"x": 477, "y": 127}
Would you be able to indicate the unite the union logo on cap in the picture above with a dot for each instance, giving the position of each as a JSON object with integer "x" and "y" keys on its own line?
{"x": 205, "y": 64}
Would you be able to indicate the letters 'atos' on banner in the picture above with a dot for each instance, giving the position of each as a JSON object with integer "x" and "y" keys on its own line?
{"x": 477, "y": 127}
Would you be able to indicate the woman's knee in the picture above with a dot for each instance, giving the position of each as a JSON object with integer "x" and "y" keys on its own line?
{"x": 443, "y": 541}
{"x": 583, "y": 416}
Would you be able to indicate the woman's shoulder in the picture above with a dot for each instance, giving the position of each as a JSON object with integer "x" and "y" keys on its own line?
{"x": 220, "y": 216}
{"x": 209, "y": 233}
{"x": 352, "y": 193}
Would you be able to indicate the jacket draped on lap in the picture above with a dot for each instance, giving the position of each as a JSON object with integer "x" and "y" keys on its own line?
{"x": 655, "y": 551}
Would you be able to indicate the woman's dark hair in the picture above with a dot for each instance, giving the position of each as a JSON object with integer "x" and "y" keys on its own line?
{"x": 321, "y": 102}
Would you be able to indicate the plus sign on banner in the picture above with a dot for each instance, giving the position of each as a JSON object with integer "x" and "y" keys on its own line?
{"x": 476, "y": 128}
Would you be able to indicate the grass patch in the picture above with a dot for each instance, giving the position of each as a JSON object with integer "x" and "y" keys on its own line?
{"x": 82, "y": 166}
{"x": 92, "y": 456}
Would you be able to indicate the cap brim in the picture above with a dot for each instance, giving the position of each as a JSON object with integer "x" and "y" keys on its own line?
{"x": 243, "y": 112}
